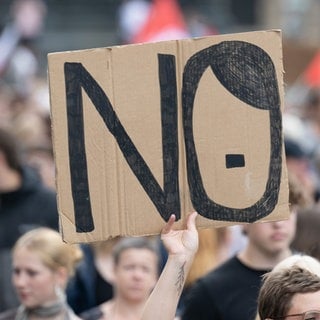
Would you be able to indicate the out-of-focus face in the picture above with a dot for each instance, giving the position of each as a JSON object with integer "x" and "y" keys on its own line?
{"x": 136, "y": 274}
{"x": 34, "y": 282}
{"x": 302, "y": 302}
{"x": 272, "y": 238}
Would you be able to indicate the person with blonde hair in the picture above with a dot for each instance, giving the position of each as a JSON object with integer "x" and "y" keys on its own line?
{"x": 26, "y": 203}
{"x": 42, "y": 265}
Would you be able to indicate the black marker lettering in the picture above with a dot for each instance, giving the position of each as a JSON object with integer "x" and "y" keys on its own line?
{"x": 166, "y": 201}
{"x": 248, "y": 73}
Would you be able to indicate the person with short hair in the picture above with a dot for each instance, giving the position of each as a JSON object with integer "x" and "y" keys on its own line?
{"x": 292, "y": 292}
{"x": 135, "y": 277}
{"x": 135, "y": 273}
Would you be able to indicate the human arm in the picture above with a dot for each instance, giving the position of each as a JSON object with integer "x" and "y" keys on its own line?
{"x": 181, "y": 246}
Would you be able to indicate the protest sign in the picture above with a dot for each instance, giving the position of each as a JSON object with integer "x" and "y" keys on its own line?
{"x": 143, "y": 131}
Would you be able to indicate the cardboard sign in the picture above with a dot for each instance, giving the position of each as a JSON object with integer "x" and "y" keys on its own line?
{"x": 144, "y": 131}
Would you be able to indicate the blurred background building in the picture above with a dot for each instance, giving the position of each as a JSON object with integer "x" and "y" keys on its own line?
{"x": 30, "y": 29}
{"x": 71, "y": 25}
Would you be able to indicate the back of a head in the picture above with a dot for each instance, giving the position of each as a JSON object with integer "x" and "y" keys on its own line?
{"x": 49, "y": 246}
{"x": 280, "y": 285}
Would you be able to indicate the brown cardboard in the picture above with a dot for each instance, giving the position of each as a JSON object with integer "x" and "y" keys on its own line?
{"x": 221, "y": 129}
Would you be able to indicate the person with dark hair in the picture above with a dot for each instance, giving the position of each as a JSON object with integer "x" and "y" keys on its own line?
{"x": 25, "y": 203}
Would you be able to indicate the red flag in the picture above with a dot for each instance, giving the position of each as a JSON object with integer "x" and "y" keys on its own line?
{"x": 165, "y": 22}
{"x": 312, "y": 73}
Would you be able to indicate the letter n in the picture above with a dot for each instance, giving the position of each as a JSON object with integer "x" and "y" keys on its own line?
{"x": 166, "y": 200}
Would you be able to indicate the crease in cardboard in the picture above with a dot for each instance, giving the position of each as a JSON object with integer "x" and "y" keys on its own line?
{"x": 130, "y": 217}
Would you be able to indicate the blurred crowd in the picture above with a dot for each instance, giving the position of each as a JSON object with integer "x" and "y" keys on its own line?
{"x": 29, "y": 181}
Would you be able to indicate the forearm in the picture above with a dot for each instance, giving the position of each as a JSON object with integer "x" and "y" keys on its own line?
{"x": 163, "y": 301}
